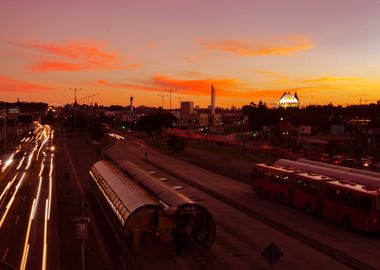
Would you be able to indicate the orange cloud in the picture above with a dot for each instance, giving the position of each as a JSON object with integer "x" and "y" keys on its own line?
{"x": 198, "y": 87}
{"x": 76, "y": 56}
{"x": 192, "y": 87}
{"x": 8, "y": 84}
{"x": 331, "y": 79}
{"x": 280, "y": 78}
{"x": 225, "y": 87}
{"x": 261, "y": 48}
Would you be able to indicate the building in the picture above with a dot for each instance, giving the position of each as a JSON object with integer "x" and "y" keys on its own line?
{"x": 288, "y": 100}
{"x": 187, "y": 107}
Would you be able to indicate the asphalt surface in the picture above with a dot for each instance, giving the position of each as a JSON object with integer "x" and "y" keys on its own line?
{"x": 75, "y": 157}
{"x": 27, "y": 231}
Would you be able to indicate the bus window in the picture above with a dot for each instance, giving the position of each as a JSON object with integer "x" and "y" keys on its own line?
{"x": 347, "y": 198}
{"x": 330, "y": 193}
{"x": 365, "y": 203}
{"x": 306, "y": 186}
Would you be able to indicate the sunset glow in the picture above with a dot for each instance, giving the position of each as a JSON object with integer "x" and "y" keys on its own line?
{"x": 327, "y": 51}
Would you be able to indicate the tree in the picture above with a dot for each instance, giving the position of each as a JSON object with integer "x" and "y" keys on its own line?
{"x": 154, "y": 124}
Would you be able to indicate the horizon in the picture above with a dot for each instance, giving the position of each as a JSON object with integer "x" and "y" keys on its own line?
{"x": 249, "y": 51}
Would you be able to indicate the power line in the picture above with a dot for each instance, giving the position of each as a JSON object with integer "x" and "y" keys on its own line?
{"x": 179, "y": 101}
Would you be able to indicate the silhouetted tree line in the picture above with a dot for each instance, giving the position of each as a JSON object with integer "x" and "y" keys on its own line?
{"x": 321, "y": 116}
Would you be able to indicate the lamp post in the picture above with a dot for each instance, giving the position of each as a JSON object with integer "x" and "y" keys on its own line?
{"x": 81, "y": 226}
{"x": 162, "y": 99}
{"x": 170, "y": 97}
{"x": 5, "y": 129}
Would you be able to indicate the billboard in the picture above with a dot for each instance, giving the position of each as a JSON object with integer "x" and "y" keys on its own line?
{"x": 304, "y": 129}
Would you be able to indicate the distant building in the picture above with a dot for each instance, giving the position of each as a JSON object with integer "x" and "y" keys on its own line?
{"x": 187, "y": 107}
{"x": 288, "y": 100}
{"x": 212, "y": 99}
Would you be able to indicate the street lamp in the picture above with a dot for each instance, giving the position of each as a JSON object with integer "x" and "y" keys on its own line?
{"x": 162, "y": 99}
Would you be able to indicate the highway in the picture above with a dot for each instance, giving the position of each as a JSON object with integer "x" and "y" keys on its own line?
{"x": 27, "y": 225}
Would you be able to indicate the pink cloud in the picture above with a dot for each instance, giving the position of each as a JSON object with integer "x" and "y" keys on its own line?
{"x": 76, "y": 56}
{"x": 282, "y": 46}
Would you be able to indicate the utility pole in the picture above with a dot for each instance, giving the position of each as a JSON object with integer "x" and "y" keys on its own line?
{"x": 179, "y": 101}
{"x": 75, "y": 107}
{"x": 162, "y": 99}
{"x": 81, "y": 228}
{"x": 170, "y": 98}
{"x": 5, "y": 129}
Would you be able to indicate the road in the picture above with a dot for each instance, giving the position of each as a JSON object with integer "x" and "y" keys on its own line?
{"x": 27, "y": 225}
{"x": 75, "y": 157}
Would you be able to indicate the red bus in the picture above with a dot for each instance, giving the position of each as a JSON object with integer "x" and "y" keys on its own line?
{"x": 272, "y": 181}
{"x": 351, "y": 204}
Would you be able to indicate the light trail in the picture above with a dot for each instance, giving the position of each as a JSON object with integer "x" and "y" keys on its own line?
{"x": 7, "y": 187}
{"x": 50, "y": 192}
{"x": 30, "y": 159}
{"x": 37, "y": 197}
{"x": 42, "y": 167}
{"x": 50, "y": 184}
{"x": 8, "y": 207}
{"x": 44, "y": 252}
{"x": 117, "y": 136}
{"x": 21, "y": 161}
{"x": 42, "y": 144}
{"x": 26, "y": 244}
{"x": 8, "y": 162}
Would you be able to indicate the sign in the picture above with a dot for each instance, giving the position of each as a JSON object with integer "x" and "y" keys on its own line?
{"x": 14, "y": 110}
{"x": 271, "y": 254}
{"x": 81, "y": 230}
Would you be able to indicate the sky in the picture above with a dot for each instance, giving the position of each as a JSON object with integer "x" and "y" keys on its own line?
{"x": 250, "y": 50}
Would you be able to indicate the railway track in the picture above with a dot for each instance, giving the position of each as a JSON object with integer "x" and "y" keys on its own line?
{"x": 328, "y": 250}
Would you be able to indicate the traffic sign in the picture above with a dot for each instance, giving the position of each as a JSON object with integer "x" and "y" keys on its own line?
{"x": 271, "y": 254}
{"x": 14, "y": 110}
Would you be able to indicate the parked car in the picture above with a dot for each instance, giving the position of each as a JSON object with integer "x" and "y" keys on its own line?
{"x": 348, "y": 162}
{"x": 367, "y": 161}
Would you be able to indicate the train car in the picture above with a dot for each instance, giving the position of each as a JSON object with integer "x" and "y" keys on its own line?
{"x": 354, "y": 205}
{"x": 135, "y": 214}
{"x": 192, "y": 220}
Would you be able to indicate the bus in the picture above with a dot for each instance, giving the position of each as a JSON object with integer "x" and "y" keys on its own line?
{"x": 365, "y": 178}
{"x": 340, "y": 168}
{"x": 353, "y": 205}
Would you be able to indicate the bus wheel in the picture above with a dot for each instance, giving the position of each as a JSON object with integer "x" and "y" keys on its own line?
{"x": 308, "y": 208}
{"x": 346, "y": 223}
